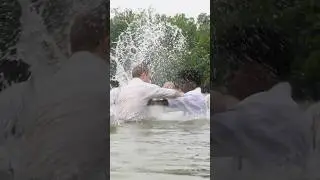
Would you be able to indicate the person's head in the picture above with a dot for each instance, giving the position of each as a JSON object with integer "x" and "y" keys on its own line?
{"x": 258, "y": 58}
{"x": 142, "y": 71}
{"x": 188, "y": 80}
{"x": 185, "y": 85}
{"x": 169, "y": 85}
{"x": 89, "y": 32}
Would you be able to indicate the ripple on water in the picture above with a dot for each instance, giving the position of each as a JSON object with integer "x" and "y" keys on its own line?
{"x": 161, "y": 150}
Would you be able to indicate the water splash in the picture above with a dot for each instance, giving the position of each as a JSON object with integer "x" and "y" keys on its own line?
{"x": 35, "y": 46}
{"x": 153, "y": 41}
{"x": 44, "y": 41}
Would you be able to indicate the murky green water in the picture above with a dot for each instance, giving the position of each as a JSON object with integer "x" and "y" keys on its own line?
{"x": 161, "y": 150}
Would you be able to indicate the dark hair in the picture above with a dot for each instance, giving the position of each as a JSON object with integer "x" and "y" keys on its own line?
{"x": 139, "y": 70}
{"x": 190, "y": 75}
{"x": 185, "y": 85}
{"x": 205, "y": 88}
{"x": 88, "y": 30}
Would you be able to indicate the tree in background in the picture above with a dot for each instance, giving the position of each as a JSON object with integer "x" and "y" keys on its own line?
{"x": 12, "y": 69}
{"x": 56, "y": 15}
{"x": 196, "y": 32}
{"x": 297, "y": 19}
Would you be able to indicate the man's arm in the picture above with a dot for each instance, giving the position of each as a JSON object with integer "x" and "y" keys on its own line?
{"x": 158, "y": 92}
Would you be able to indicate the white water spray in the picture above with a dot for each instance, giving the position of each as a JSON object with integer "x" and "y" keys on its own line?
{"x": 152, "y": 40}
{"x": 35, "y": 46}
{"x": 158, "y": 43}
{"x": 45, "y": 45}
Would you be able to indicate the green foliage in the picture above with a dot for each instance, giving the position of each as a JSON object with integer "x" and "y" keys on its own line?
{"x": 196, "y": 32}
{"x": 299, "y": 19}
{"x": 119, "y": 23}
{"x": 10, "y": 30}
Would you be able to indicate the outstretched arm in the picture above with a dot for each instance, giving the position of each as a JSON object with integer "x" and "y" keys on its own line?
{"x": 158, "y": 92}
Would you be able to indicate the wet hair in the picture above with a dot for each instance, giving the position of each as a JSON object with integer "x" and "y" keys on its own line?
{"x": 185, "y": 85}
{"x": 139, "y": 70}
{"x": 88, "y": 30}
{"x": 205, "y": 88}
{"x": 190, "y": 75}
{"x": 188, "y": 86}
{"x": 188, "y": 79}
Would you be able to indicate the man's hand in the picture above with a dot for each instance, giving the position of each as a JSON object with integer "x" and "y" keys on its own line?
{"x": 169, "y": 85}
{"x": 180, "y": 94}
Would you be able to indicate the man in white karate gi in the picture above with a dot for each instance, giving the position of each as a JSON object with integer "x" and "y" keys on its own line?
{"x": 134, "y": 97}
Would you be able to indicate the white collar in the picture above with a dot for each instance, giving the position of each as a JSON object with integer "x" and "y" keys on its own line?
{"x": 198, "y": 89}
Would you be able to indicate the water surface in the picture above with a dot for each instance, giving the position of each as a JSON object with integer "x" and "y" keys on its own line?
{"x": 161, "y": 150}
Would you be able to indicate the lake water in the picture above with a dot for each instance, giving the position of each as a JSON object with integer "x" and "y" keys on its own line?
{"x": 168, "y": 150}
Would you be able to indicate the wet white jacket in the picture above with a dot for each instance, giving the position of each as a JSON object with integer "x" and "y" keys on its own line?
{"x": 133, "y": 98}
{"x": 193, "y": 103}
